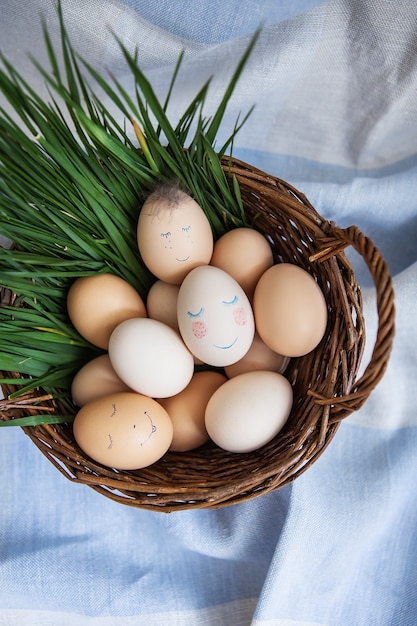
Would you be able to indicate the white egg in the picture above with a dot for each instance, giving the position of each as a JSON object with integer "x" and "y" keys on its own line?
{"x": 215, "y": 316}
{"x": 248, "y": 410}
{"x": 150, "y": 357}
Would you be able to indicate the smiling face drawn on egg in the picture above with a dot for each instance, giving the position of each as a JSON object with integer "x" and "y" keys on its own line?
{"x": 174, "y": 235}
{"x": 152, "y": 428}
{"x": 140, "y": 428}
{"x": 199, "y": 326}
{"x": 214, "y": 316}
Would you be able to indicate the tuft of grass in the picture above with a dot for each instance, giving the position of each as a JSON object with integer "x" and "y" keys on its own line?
{"x": 72, "y": 182}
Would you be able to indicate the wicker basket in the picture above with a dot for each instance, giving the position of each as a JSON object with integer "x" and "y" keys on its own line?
{"x": 326, "y": 389}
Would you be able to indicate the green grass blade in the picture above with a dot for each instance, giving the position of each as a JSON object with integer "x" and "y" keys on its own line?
{"x": 219, "y": 114}
{"x": 37, "y": 420}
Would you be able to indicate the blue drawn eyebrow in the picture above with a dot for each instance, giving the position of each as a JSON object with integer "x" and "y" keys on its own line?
{"x": 167, "y": 234}
{"x": 186, "y": 228}
{"x": 233, "y": 301}
{"x": 200, "y": 312}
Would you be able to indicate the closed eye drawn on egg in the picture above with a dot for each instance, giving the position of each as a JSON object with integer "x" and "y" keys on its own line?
{"x": 153, "y": 428}
{"x": 166, "y": 235}
{"x": 186, "y": 229}
{"x": 194, "y": 315}
{"x": 109, "y": 447}
{"x": 230, "y": 302}
{"x": 114, "y": 410}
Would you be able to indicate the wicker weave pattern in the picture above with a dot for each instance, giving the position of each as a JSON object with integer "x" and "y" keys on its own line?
{"x": 325, "y": 386}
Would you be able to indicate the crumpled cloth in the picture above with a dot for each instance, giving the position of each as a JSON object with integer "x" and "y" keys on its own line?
{"x": 335, "y": 91}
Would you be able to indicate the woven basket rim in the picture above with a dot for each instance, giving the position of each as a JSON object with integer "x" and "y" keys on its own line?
{"x": 325, "y": 382}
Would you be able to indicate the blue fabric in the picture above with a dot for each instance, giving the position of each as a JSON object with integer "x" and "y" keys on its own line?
{"x": 221, "y": 20}
{"x": 115, "y": 560}
{"x": 335, "y": 89}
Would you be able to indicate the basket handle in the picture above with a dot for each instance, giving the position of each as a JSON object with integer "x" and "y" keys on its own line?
{"x": 362, "y": 388}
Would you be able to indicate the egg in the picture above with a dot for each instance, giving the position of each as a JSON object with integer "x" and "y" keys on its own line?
{"x": 124, "y": 431}
{"x": 161, "y": 303}
{"x": 258, "y": 357}
{"x": 187, "y": 410}
{"x": 97, "y": 304}
{"x": 95, "y": 379}
{"x": 174, "y": 234}
{"x": 245, "y": 254}
{"x": 150, "y": 357}
{"x": 249, "y": 410}
{"x": 215, "y": 317}
{"x": 290, "y": 310}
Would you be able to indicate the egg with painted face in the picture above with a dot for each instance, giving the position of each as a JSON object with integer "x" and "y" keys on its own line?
{"x": 174, "y": 235}
{"x": 215, "y": 317}
{"x": 126, "y": 431}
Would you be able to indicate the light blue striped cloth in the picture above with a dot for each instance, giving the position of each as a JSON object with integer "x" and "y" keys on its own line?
{"x": 335, "y": 89}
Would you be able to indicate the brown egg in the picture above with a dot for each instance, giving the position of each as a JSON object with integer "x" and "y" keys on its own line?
{"x": 258, "y": 357}
{"x": 161, "y": 303}
{"x": 245, "y": 254}
{"x": 125, "y": 431}
{"x": 97, "y": 304}
{"x": 290, "y": 310}
{"x": 174, "y": 234}
{"x": 95, "y": 379}
{"x": 187, "y": 410}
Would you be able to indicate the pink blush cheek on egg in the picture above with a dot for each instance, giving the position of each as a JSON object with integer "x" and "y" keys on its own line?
{"x": 240, "y": 316}
{"x": 199, "y": 330}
